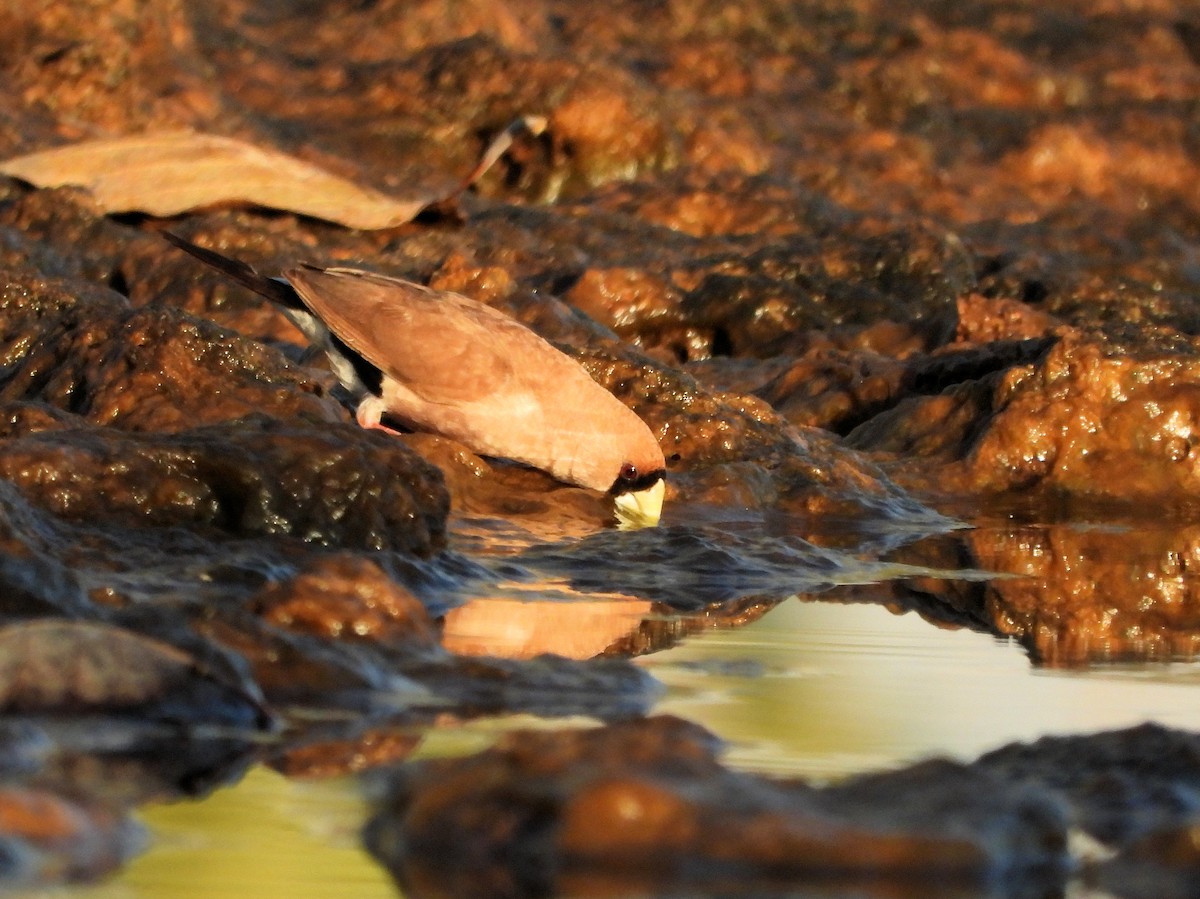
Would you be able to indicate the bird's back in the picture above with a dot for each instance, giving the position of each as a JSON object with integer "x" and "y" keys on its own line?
{"x": 458, "y": 367}
{"x": 446, "y": 348}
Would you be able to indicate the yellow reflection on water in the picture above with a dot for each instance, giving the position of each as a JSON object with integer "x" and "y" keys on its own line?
{"x": 266, "y": 837}
{"x": 844, "y": 689}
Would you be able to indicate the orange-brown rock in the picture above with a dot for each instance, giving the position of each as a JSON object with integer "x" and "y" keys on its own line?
{"x": 732, "y": 449}
{"x": 648, "y": 802}
{"x": 338, "y": 758}
{"x": 835, "y": 390}
{"x": 982, "y": 319}
{"x": 1072, "y": 593}
{"x": 614, "y": 296}
{"x": 86, "y": 351}
{"x": 1085, "y": 595}
{"x": 1092, "y": 425}
{"x": 637, "y": 807}
{"x": 116, "y": 67}
{"x": 346, "y": 597}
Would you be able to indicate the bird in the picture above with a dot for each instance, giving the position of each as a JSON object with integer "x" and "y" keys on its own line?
{"x": 440, "y": 362}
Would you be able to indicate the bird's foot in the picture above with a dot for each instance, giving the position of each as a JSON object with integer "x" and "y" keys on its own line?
{"x": 382, "y": 427}
{"x": 369, "y": 415}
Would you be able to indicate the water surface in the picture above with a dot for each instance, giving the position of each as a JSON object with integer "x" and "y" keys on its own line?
{"x": 818, "y": 689}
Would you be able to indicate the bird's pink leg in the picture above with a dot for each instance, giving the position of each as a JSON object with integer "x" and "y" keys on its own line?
{"x": 369, "y": 414}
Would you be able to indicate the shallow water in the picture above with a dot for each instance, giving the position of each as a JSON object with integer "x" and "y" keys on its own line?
{"x": 846, "y": 689}
{"x": 819, "y": 689}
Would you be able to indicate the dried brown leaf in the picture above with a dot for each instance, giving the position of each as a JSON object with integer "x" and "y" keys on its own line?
{"x": 172, "y": 173}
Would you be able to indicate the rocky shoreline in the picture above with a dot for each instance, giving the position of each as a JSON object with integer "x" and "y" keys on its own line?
{"x": 874, "y": 271}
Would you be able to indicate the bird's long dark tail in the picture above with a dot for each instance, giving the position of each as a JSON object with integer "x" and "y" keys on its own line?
{"x": 274, "y": 289}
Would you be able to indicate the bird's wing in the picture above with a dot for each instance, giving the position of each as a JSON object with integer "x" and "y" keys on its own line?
{"x": 444, "y": 347}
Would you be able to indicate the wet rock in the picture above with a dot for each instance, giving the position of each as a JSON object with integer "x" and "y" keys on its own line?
{"x": 665, "y": 627}
{"x": 1122, "y": 786}
{"x": 316, "y": 758}
{"x": 392, "y": 28}
{"x": 46, "y": 839}
{"x": 626, "y": 299}
{"x": 890, "y": 212}
{"x": 835, "y": 390}
{"x": 84, "y": 569}
{"x": 35, "y": 585}
{"x": 858, "y": 377}
{"x": 647, "y": 805}
{"x": 1092, "y": 425}
{"x": 927, "y": 428}
{"x": 114, "y": 68}
{"x": 730, "y": 450}
{"x": 53, "y": 568}
{"x": 84, "y": 350}
{"x": 124, "y": 762}
{"x": 928, "y": 410}
{"x": 877, "y": 400}
{"x": 25, "y": 749}
{"x": 95, "y": 393}
{"x": 304, "y": 667}
{"x": 605, "y": 689}
{"x": 26, "y": 256}
{"x": 35, "y": 582}
{"x": 1088, "y": 595}
{"x": 1163, "y": 866}
{"x": 20, "y": 418}
{"x": 75, "y": 240}
{"x": 85, "y": 668}
{"x": 1074, "y": 594}
{"x": 154, "y": 273}
{"x": 760, "y": 305}
{"x": 688, "y": 569}
{"x": 70, "y": 237}
{"x": 748, "y": 266}
{"x": 346, "y": 596}
{"x": 492, "y": 488}
{"x": 600, "y": 127}
{"x": 1080, "y": 426}
{"x": 983, "y": 319}
{"x": 336, "y": 486}
{"x": 298, "y": 670}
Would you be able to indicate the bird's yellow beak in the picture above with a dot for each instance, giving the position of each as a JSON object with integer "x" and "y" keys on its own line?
{"x": 643, "y": 508}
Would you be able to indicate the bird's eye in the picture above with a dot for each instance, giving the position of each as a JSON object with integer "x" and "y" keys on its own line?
{"x": 629, "y": 472}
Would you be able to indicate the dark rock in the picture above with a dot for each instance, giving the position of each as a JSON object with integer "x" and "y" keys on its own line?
{"x": 1121, "y": 786}
{"x": 648, "y": 805}
{"x": 337, "y": 486}
{"x": 84, "y": 350}
{"x": 81, "y": 669}
{"x": 51, "y": 839}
